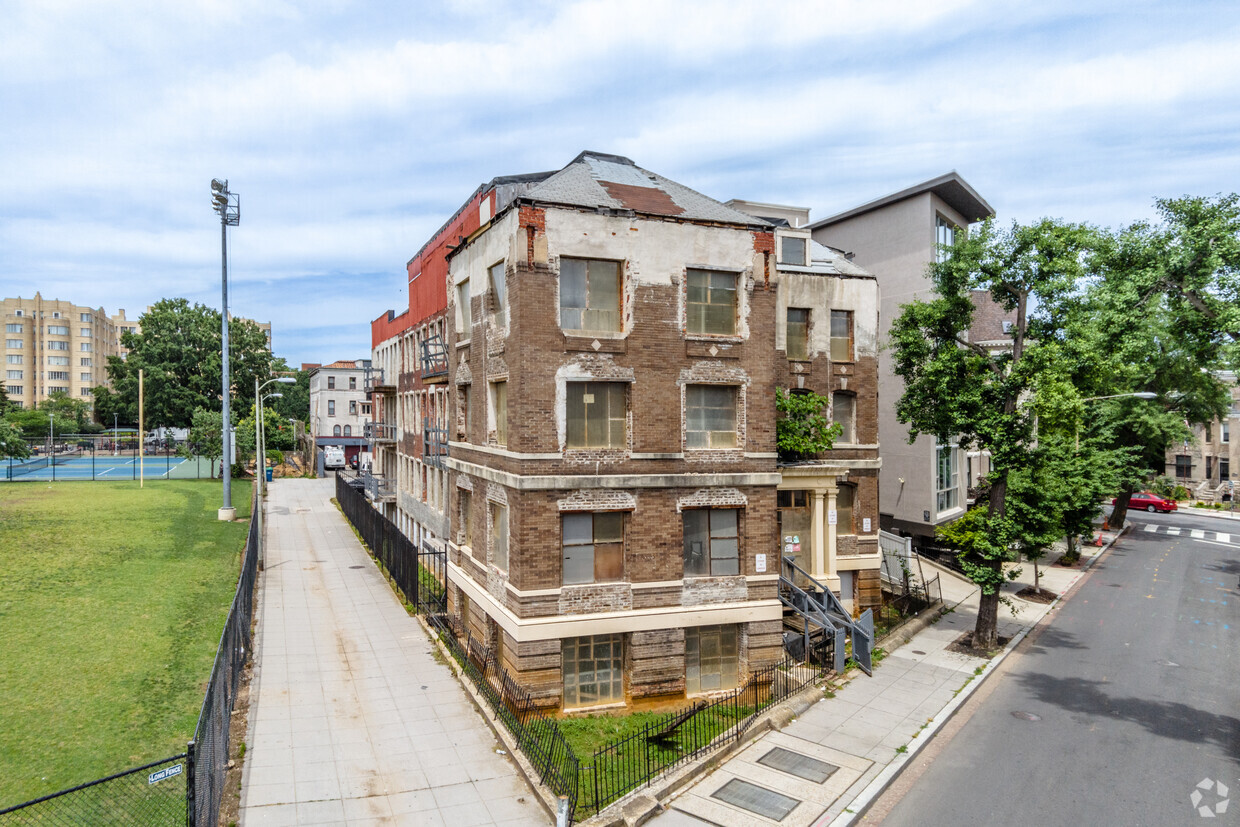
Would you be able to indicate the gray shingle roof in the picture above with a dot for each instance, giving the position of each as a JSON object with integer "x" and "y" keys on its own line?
{"x": 595, "y": 179}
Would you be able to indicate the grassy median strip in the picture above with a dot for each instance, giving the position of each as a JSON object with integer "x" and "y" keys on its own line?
{"x": 112, "y": 600}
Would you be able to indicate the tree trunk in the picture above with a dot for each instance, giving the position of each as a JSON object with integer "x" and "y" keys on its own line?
{"x": 1072, "y": 554}
{"x": 986, "y": 632}
{"x": 1119, "y": 512}
{"x": 1037, "y": 579}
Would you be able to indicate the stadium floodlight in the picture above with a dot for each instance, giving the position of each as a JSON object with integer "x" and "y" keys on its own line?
{"x": 228, "y": 205}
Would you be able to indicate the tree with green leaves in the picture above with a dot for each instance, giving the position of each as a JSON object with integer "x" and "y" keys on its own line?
{"x": 1165, "y": 309}
{"x": 958, "y": 389}
{"x": 5, "y": 403}
{"x": 206, "y": 436}
{"x": 802, "y": 428}
{"x": 12, "y": 441}
{"x": 295, "y": 404}
{"x": 179, "y": 351}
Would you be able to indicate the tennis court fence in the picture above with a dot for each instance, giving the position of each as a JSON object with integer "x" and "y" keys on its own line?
{"x": 103, "y": 457}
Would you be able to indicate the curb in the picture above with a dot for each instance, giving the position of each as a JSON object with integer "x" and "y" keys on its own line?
{"x": 865, "y": 799}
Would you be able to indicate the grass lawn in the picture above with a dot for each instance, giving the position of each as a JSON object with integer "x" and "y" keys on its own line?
{"x": 112, "y": 601}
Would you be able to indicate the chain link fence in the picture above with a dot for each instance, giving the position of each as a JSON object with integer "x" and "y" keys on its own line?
{"x": 72, "y": 457}
{"x": 151, "y": 794}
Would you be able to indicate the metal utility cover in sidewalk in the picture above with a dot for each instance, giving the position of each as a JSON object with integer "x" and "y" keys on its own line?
{"x": 755, "y": 799}
{"x": 794, "y": 763}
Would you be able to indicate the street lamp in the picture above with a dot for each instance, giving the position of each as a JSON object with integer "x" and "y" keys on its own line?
{"x": 114, "y": 431}
{"x": 228, "y": 206}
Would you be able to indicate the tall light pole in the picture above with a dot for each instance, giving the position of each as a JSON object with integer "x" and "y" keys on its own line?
{"x": 115, "y": 428}
{"x": 228, "y": 206}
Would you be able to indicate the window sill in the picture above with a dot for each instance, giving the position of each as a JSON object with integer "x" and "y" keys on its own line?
{"x": 728, "y": 338}
{"x": 460, "y": 343}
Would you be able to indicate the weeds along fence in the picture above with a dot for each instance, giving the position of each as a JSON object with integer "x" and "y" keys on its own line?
{"x": 208, "y": 752}
{"x": 683, "y": 736}
{"x": 186, "y": 789}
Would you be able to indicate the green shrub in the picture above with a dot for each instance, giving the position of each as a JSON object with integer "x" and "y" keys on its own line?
{"x": 1179, "y": 493}
{"x": 275, "y": 457}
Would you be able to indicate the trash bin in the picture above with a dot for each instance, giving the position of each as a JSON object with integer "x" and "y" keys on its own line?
{"x": 269, "y": 470}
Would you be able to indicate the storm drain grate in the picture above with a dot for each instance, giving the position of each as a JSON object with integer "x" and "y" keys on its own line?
{"x": 794, "y": 763}
{"x": 755, "y": 799}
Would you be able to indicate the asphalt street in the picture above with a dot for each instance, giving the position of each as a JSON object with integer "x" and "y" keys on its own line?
{"x": 1125, "y": 704}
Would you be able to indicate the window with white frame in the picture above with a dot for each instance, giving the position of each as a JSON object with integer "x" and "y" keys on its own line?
{"x": 590, "y": 295}
{"x": 944, "y": 238}
{"x": 595, "y": 415}
{"x": 58, "y": 329}
{"x": 85, "y": 361}
{"x": 85, "y": 347}
{"x": 947, "y": 477}
{"x": 13, "y": 328}
{"x": 352, "y": 407}
{"x": 593, "y": 546}
{"x": 57, "y": 345}
{"x": 710, "y": 416}
{"x": 331, "y": 407}
{"x": 711, "y": 541}
{"x": 85, "y": 332}
{"x": 13, "y": 358}
{"x": 335, "y": 430}
{"x": 14, "y": 344}
{"x": 464, "y": 319}
{"x": 710, "y": 303}
{"x": 14, "y": 390}
{"x": 58, "y": 360}
{"x": 15, "y": 374}
{"x": 792, "y": 250}
{"x": 348, "y": 430}
{"x": 593, "y": 670}
{"x": 85, "y": 317}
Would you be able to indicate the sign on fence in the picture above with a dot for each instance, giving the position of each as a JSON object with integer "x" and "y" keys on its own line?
{"x": 160, "y": 775}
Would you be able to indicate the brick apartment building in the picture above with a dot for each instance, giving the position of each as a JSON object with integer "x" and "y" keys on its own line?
{"x": 609, "y": 494}
{"x": 339, "y": 408}
{"x": 1206, "y": 462}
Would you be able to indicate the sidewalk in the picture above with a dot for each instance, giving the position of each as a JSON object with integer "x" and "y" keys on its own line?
{"x": 872, "y": 726}
{"x": 352, "y": 720}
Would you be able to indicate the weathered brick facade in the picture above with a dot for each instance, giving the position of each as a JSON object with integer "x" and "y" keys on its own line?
{"x": 517, "y": 467}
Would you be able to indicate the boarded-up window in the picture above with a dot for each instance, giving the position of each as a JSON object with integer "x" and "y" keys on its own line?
{"x": 711, "y": 303}
{"x": 593, "y": 547}
{"x": 841, "y": 336}
{"x": 499, "y": 535}
{"x": 710, "y": 416}
{"x": 467, "y": 517}
{"x": 596, "y": 415}
{"x": 798, "y": 333}
{"x": 590, "y": 295}
{"x": 499, "y": 405}
{"x": 499, "y": 292}
{"x": 712, "y": 542}
{"x": 464, "y": 321}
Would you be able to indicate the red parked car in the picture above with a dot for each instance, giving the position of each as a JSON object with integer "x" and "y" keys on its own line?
{"x": 1150, "y": 502}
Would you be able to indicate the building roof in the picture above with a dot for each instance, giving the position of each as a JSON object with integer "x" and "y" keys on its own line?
{"x": 343, "y": 364}
{"x": 826, "y": 261}
{"x": 950, "y": 187}
{"x": 597, "y": 180}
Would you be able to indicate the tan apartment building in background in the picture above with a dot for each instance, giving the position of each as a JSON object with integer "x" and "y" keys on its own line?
{"x": 54, "y": 346}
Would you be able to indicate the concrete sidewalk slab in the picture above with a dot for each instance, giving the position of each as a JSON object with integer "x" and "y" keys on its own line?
{"x": 352, "y": 719}
{"x": 874, "y": 724}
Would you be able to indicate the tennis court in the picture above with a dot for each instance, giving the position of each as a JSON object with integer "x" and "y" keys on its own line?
{"x": 88, "y": 465}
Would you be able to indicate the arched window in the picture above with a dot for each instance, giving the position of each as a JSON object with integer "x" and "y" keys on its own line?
{"x": 336, "y": 431}
{"x": 348, "y": 430}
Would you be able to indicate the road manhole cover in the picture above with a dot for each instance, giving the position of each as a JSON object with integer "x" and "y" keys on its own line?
{"x": 755, "y": 799}
{"x": 1026, "y": 716}
{"x": 802, "y": 766}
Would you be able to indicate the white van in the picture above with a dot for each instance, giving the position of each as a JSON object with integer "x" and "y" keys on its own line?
{"x": 333, "y": 456}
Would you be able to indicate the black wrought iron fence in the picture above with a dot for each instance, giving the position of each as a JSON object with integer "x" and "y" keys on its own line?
{"x": 419, "y": 573}
{"x": 674, "y": 739}
{"x": 151, "y": 794}
{"x": 208, "y": 752}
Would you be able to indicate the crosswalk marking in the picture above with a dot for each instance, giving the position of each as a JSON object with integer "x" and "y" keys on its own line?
{"x": 1194, "y": 533}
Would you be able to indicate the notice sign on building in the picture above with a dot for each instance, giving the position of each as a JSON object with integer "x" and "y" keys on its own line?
{"x": 760, "y": 563}
{"x": 831, "y": 518}
{"x": 865, "y": 525}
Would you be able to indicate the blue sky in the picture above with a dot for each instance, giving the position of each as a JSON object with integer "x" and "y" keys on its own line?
{"x": 352, "y": 130}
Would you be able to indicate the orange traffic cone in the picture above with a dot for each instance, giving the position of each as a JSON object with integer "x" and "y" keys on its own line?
{"x": 1106, "y": 523}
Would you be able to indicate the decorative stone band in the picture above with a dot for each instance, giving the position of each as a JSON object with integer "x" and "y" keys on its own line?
{"x": 712, "y": 498}
{"x": 598, "y": 500}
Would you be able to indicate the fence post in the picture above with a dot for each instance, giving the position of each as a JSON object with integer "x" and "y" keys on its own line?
{"x": 189, "y": 784}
